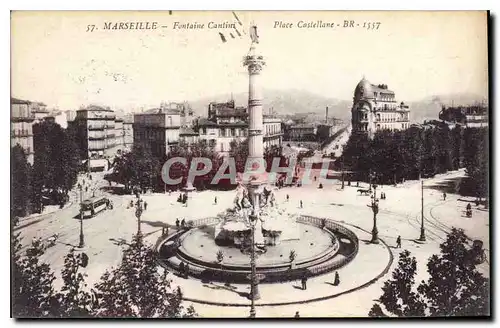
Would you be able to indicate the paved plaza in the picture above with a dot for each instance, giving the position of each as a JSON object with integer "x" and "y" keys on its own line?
{"x": 360, "y": 281}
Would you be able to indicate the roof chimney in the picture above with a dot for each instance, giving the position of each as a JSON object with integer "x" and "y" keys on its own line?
{"x": 326, "y": 115}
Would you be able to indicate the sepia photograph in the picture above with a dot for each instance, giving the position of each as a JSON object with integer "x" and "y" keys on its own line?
{"x": 250, "y": 164}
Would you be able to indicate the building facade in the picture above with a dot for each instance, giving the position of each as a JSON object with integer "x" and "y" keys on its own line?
{"x": 301, "y": 132}
{"x": 40, "y": 111}
{"x": 227, "y": 122}
{"x": 272, "y": 134}
{"x": 128, "y": 132}
{"x": 158, "y": 128}
{"x": 21, "y": 129}
{"x": 119, "y": 134}
{"x": 375, "y": 108}
{"x": 94, "y": 128}
{"x": 470, "y": 116}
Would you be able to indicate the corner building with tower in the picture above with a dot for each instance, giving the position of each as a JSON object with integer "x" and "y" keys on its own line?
{"x": 375, "y": 109}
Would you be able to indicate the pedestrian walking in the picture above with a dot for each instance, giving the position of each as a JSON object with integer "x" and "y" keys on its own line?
{"x": 297, "y": 315}
{"x": 444, "y": 196}
{"x": 145, "y": 205}
{"x": 304, "y": 283}
{"x": 336, "y": 281}
{"x": 287, "y": 197}
{"x": 186, "y": 271}
{"x": 181, "y": 269}
{"x": 215, "y": 200}
{"x": 163, "y": 231}
{"x": 177, "y": 223}
{"x": 183, "y": 223}
{"x": 398, "y": 242}
{"x": 301, "y": 205}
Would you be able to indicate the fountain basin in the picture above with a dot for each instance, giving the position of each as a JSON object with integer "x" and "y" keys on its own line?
{"x": 322, "y": 247}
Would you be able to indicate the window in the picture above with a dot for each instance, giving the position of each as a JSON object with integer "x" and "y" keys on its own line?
{"x": 233, "y": 132}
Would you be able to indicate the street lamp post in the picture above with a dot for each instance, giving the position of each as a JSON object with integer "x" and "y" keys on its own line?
{"x": 342, "y": 173}
{"x": 254, "y": 284}
{"x": 82, "y": 238}
{"x": 422, "y": 229}
{"x": 138, "y": 213}
{"x": 374, "y": 207}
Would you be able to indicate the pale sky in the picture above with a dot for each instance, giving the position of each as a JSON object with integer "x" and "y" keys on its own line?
{"x": 417, "y": 54}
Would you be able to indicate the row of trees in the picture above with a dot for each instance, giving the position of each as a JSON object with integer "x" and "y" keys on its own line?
{"x": 52, "y": 175}
{"x": 454, "y": 287}
{"x": 394, "y": 156}
{"x": 135, "y": 288}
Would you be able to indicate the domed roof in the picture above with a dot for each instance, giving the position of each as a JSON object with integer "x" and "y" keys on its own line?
{"x": 363, "y": 89}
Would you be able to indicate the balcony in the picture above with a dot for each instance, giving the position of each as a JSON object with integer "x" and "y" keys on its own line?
{"x": 96, "y": 127}
{"x": 96, "y": 147}
{"x": 96, "y": 138}
{"x": 271, "y": 135}
{"x": 21, "y": 134}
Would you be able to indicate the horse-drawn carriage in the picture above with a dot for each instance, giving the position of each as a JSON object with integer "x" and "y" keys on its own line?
{"x": 477, "y": 251}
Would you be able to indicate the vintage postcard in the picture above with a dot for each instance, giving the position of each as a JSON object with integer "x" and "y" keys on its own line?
{"x": 250, "y": 164}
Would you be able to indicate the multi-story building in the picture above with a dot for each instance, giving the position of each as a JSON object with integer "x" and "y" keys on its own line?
{"x": 302, "y": 132}
{"x": 375, "y": 108}
{"x": 325, "y": 131}
{"x": 70, "y": 115}
{"x": 188, "y": 135}
{"x": 119, "y": 134}
{"x": 128, "y": 132}
{"x": 272, "y": 134}
{"x": 158, "y": 128}
{"x": 94, "y": 127}
{"x": 470, "y": 116}
{"x": 22, "y": 126}
{"x": 40, "y": 111}
{"x": 227, "y": 122}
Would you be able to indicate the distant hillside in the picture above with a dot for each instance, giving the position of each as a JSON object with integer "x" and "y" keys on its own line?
{"x": 429, "y": 107}
{"x": 301, "y": 102}
{"x": 285, "y": 102}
